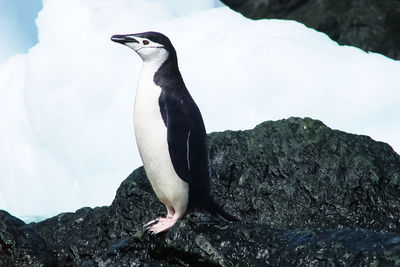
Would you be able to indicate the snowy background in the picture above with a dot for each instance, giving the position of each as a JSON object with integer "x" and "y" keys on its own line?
{"x": 66, "y": 130}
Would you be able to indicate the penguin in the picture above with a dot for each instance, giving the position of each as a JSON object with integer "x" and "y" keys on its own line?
{"x": 170, "y": 133}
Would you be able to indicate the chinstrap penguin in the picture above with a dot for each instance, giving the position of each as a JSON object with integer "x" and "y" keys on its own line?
{"x": 170, "y": 133}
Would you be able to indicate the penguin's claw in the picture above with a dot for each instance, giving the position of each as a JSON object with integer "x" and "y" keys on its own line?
{"x": 150, "y": 223}
{"x": 160, "y": 225}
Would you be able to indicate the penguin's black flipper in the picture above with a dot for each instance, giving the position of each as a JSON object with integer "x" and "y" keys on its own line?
{"x": 187, "y": 140}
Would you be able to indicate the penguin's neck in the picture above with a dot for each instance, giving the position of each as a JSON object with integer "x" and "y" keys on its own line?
{"x": 149, "y": 67}
{"x": 160, "y": 73}
{"x": 168, "y": 76}
{"x": 147, "y": 91}
{"x": 153, "y": 65}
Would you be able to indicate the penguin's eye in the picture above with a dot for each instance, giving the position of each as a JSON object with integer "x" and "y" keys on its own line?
{"x": 145, "y": 42}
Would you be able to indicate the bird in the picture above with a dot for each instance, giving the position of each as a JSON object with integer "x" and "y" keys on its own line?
{"x": 170, "y": 133}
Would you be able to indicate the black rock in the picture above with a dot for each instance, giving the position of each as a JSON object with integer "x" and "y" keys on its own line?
{"x": 305, "y": 194}
{"x": 20, "y": 245}
{"x": 298, "y": 173}
{"x": 372, "y": 25}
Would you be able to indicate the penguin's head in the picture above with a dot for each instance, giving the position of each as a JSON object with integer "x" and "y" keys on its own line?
{"x": 148, "y": 45}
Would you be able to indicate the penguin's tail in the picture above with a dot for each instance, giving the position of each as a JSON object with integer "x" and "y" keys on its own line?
{"x": 215, "y": 210}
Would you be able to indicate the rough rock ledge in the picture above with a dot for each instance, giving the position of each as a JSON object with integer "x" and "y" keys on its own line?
{"x": 305, "y": 194}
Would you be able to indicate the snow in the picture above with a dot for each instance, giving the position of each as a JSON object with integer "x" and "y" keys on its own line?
{"x": 66, "y": 106}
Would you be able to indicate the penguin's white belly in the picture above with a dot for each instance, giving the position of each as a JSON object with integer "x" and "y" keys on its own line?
{"x": 151, "y": 139}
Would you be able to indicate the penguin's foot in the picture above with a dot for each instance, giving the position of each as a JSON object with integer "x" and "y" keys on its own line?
{"x": 169, "y": 216}
{"x": 161, "y": 224}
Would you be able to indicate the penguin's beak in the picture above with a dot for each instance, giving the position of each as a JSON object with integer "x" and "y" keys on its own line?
{"x": 123, "y": 39}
